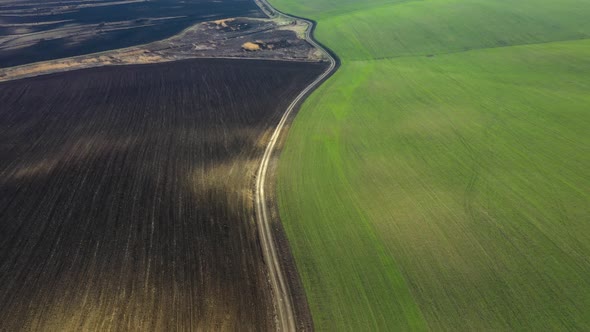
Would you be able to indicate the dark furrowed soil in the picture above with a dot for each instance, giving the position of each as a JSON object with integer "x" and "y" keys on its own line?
{"x": 126, "y": 195}
{"x": 42, "y": 30}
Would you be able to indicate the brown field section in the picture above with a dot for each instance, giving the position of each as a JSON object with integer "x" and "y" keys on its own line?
{"x": 126, "y": 195}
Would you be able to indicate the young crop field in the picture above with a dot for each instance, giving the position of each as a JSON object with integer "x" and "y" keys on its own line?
{"x": 439, "y": 180}
{"x": 126, "y": 195}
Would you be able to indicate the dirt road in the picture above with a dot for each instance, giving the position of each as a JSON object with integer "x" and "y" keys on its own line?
{"x": 282, "y": 296}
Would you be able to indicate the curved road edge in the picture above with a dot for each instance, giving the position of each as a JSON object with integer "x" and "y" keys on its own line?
{"x": 284, "y": 307}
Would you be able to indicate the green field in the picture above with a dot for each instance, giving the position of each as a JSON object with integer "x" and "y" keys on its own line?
{"x": 440, "y": 180}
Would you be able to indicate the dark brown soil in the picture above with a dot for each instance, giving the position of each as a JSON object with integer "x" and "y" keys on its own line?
{"x": 126, "y": 195}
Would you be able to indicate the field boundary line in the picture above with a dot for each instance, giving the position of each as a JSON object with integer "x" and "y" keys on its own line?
{"x": 421, "y": 55}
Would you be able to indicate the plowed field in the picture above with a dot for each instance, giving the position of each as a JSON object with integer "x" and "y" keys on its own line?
{"x": 126, "y": 195}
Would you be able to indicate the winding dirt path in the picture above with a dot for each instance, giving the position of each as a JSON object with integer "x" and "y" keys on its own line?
{"x": 282, "y": 297}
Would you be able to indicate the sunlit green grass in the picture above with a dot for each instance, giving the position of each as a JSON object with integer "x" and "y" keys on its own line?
{"x": 427, "y": 27}
{"x": 440, "y": 179}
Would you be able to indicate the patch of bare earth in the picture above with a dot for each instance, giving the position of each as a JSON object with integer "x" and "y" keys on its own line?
{"x": 273, "y": 39}
{"x": 249, "y": 46}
